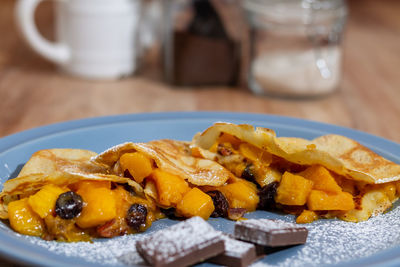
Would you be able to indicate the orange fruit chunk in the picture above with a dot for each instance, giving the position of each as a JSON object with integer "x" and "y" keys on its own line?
{"x": 23, "y": 219}
{"x": 293, "y": 190}
{"x": 320, "y": 200}
{"x": 138, "y": 165}
{"x": 196, "y": 203}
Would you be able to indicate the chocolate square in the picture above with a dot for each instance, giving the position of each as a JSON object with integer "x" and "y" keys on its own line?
{"x": 237, "y": 253}
{"x": 271, "y": 233}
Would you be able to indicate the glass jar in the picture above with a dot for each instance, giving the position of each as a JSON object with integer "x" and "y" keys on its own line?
{"x": 295, "y": 46}
{"x": 202, "y": 42}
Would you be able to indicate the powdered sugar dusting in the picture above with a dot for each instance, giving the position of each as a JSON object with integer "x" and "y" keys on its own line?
{"x": 329, "y": 242}
{"x": 335, "y": 241}
{"x": 105, "y": 252}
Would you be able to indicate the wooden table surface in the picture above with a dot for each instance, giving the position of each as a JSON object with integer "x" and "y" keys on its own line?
{"x": 33, "y": 93}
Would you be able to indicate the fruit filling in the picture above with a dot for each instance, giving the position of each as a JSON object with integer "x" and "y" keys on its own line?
{"x": 311, "y": 192}
{"x": 256, "y": 179}
{"x": 82, "y": 211}
{"x": 179, "y": 198}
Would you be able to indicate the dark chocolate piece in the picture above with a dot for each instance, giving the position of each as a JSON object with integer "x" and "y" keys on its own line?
{"x": 271, "y": 233}
{"x": 182, "y": 244}
{"x": 237, "y": 253}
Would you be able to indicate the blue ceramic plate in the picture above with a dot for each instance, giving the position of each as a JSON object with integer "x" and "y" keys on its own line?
{"x": 331, "y": 242}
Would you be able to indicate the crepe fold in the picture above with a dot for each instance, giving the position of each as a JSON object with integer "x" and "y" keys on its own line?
{"x": 339, "y": 154}
{"x": 60, "y": 167}
{"x": 170, "y": 156}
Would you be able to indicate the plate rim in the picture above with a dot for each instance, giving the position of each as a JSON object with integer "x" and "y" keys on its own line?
{"x": 387, "y": 257}
{"x": 14, "y": 138}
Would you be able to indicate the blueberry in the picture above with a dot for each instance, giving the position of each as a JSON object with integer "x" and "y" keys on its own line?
{"x": 136, "y": 216}
{"x": 68, "y": 205}
{"x": 221, "y": 205}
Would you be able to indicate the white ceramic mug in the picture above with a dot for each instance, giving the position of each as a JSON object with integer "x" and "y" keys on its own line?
{"x": 95, "y": 39}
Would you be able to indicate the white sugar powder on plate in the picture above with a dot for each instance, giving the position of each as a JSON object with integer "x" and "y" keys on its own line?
{"x": 329, "y": 242}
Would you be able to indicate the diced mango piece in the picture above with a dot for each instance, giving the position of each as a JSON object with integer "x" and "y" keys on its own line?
{"x": 90, "y": 184}
{"x": 241, "y": 194}
{"x": 99, "y": 207}
{"x": 293, "y": 190}
{"x": 138, "y": 165}
{"x": 23, "y": 219}
{"x": 170, "y": 188}
{"x": 320, "y": 200}
{"x": 321, "y": 178}
{"x": 44, "y": 201}
{"x": 254, "y": 153}
{"x": 307, "y": 216}
{"x": 196, "y": 203}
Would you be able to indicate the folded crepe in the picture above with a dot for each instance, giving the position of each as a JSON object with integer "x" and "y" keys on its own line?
{"x": 61, "y": 167}
{"x": 75, "y": 195}
{"x": 371, "y": 179}
{"x": 168, "y": 158}
{"x": 29, "y": 200}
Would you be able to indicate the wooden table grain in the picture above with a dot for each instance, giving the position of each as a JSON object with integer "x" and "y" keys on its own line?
{"x": 33, "y": 93}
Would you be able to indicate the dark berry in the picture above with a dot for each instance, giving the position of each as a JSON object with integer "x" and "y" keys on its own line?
{"x": 68, "y": 205}
{"x": 267, "y": 196}
{"x": 221, "y": 205}
{"x": 136, "y": 216}
{"x": 170, "y": 213}
{"x": 248, "y": 173}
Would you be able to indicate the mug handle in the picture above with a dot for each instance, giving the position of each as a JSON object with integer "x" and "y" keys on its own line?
{"x": 57, "y": 52}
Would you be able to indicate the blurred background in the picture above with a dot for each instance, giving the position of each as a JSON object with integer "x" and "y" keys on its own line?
{"x": 206, "y": 55}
